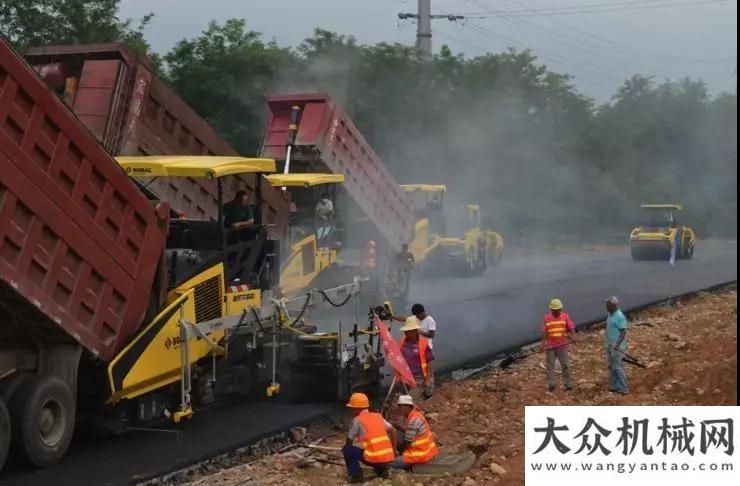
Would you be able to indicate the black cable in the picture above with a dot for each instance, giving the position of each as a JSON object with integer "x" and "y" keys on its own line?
{"x": 238, "y": 325}
{"x": 303, "y": 310}
{"x": 259, "y": 323}
{"x": 326, "y": 296}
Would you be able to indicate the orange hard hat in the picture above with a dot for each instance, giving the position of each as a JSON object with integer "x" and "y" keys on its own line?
{"x": 358, "y": 400}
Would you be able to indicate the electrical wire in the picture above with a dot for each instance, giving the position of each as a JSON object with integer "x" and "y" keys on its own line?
{"x": 577, "y": 44}
{"x": 598, "y": 8}
{"x": 621, "y": 47}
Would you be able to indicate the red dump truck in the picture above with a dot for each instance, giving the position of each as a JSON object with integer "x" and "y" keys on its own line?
{"x": 370, "y": 207}
{"x": 122, "y": 101}
{"x": 80, "y": 248}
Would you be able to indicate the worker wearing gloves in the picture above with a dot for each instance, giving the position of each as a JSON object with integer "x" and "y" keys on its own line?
{"x": 616, "y": 346}
{"x": 556, "y": 329}
{"x": 376, "y": 436}
{"x": 419, "y": 356}
{"x": 416, "y": 446}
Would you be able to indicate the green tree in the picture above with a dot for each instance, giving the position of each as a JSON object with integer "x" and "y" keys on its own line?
{"x": 45, "y": 22}
{"x": 225, "y": 75}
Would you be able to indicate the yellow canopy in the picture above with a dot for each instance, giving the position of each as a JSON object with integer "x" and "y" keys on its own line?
{"x": 209, "y": 167}
{"x": 304, "y": 180}
{"x": 424, "y": 187}
{"x": 676, "y": 207}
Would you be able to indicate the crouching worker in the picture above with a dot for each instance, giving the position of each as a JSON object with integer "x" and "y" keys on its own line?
{"x": 375, "y": 435}
{"x": 417, "y": 444}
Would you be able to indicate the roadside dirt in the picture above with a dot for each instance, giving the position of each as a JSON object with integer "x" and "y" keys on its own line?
{"x": 690, "y": 349}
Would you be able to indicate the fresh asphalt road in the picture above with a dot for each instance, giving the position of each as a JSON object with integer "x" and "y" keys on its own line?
{"x": 476, "y": 318}
{"x": 504, "y": 308}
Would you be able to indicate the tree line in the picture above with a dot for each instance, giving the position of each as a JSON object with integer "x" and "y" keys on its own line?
{"x": 502, "y": 129}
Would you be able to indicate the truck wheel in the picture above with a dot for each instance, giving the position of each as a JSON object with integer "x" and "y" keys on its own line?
{"x": 43, "y": 413}
{"x": 4, "y": 433}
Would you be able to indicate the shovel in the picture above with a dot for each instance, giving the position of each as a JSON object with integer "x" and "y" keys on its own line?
{"x": 628, "y": 359}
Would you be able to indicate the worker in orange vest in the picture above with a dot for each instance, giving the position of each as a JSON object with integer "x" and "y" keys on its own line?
{"x": 376, "y": 436}
{"x": 556, "y": 329}
{"x": 417, "y": 445}
{"x": 370, "y": 260}
{"x": 419, "y": 356}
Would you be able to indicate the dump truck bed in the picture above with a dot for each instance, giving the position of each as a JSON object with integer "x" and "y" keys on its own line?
{"x": 120, "y": 98}
{"x": 79, "y": 243}
{"x": 328, "y": 141}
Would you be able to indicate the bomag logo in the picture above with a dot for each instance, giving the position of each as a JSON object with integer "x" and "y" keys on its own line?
{"x": 243, "y": 297}
{"x": 172, "y": 342}
{"x": 138, "y": 170}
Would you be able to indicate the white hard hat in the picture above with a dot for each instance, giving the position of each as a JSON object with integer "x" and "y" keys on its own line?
{"x": 405, "y": 400}
{"x": 613, "y": 300}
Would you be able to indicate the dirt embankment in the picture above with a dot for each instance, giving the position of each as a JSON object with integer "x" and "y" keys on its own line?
{"x": 690, "y": 350}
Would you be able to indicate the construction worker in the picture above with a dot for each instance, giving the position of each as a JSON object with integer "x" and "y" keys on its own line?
{"x": 369, "y": 262}
{"x": 419, "y": 356}
{"x": 416, "y": 446}
{"x": 376, "y": 436}
{"x": 616, "y": 346}
{"x": 428, "y": 324}
{"x": 556, "y": 329}
{"x": 238, "y": 213}
{"x": 324, "y": 208}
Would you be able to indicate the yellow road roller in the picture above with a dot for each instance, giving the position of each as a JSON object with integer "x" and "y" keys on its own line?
{"x": 661, "y": 233}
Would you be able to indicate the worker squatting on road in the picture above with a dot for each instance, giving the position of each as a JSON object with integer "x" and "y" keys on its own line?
{"x": 416, "y": 444}
{"x": 556, "y": 330}
{"x": 616, "y": 346}
{"x": 376, "y": 436}
{"x": 419, "y": 356}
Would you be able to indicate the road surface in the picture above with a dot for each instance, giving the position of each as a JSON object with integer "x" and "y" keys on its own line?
{"x": 476, "y": 318}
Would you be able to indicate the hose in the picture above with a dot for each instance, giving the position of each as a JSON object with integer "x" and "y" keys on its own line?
{"x": 334, "y": 304}
{"x": 259, "y": 323}
{"x": 303, "y": 310}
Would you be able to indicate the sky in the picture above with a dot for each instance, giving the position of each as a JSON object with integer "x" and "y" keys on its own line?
{"x": 599, "y": 42}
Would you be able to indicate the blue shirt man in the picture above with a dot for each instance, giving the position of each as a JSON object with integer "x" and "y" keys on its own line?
{"x": 616, "y": 345}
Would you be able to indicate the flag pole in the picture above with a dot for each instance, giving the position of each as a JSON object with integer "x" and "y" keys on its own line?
{"x": 388, "y": 396}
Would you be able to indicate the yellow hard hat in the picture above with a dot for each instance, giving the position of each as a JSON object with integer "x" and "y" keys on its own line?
{"x": 358, "y": 400}
{"x": 555, "y": 304}
{"x": 411, "y": 324}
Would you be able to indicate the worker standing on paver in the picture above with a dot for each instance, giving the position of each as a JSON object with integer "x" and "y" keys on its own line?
{"x": 616, "y": 346}
{"x": 324, "y": 208}
{"x": 416, "y": 446}
{"x": 419, "y": 356}
{"x": 556, "y": 329}
{"x": 376, "y": 436}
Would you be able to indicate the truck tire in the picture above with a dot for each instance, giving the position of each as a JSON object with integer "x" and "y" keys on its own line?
{"x": 4, "y": 433}
{"x": 43, "y": 418}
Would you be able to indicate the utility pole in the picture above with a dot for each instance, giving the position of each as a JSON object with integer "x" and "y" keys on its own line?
{"x": 424, "y": 25}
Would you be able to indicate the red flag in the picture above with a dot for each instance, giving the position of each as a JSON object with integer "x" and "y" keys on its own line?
{"x": 393, "y": 353}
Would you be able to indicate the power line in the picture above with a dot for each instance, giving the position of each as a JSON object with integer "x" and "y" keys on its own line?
{"x": 554, "y": 36}
{"x": 554, "y": 11}
{"x": 594, "y": 75}
{"x": 625, "y": 48}
{"x": 577, "y": 44}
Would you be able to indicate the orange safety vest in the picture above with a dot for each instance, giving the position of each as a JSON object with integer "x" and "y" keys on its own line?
{"x": 422, "y": 448}
{"x": 376, "y": 444}
{"x": 370, "y": 258}
{"x": 556, "y": 327}
{"x": 423, "y": 346}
